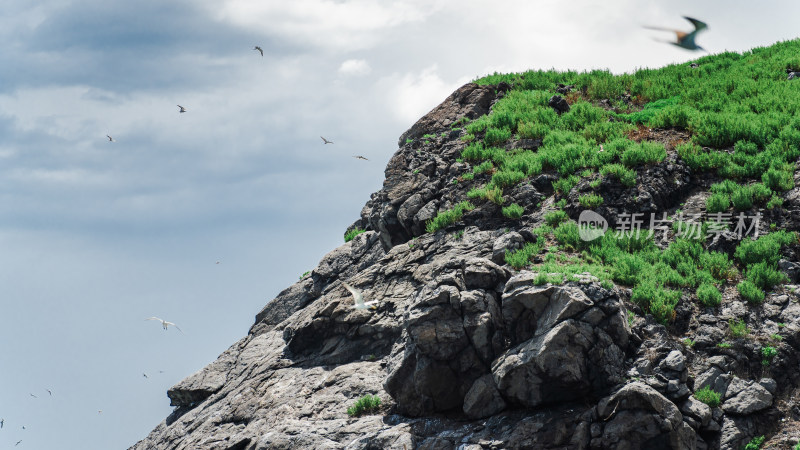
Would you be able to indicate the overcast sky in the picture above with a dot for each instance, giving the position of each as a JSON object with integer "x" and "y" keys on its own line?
{"x": 96, "y": 236}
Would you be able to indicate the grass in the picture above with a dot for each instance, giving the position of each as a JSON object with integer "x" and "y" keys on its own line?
{"x": 708, "y": 396}
{"x": 446, "y": 218}
{"x": 554, "y": 218}
{"x": 348, "y": 236}
{"x": 513, "y": 211}
{"x": 767, "y": 353}
{"x": 364, "y": 405}
{"x": 738, "y": 328}
{"x": 709, "y": 295}
{"x": 755, "y": 443}
{"x": 590, "y": 200}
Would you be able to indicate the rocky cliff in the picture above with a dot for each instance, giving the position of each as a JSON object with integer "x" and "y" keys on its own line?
{"x": 467, "y": 352}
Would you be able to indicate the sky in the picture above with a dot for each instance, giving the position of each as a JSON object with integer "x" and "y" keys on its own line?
{"x": 201, "y": 218}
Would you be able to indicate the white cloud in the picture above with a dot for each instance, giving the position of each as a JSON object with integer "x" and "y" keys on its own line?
{"x": 355, "y": 67}
{"x": 339, "y": 25}
{"x": 412, "y": 95}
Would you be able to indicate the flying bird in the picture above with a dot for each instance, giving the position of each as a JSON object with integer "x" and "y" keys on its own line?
{"x": 360, "y": 157}
{"x": 145, "y": 375}
{"x": 110, "y": 139}
{"x": 684, "y": 39}
{"x": 33, "y": 396}
{"x": 259, "y": 50}
{"x": 183, "y": 110}
{"x": 49, "y": 392}
{"x": 326, "y": 141}
{"x": 2, "y": 421}
{"x": 358, "y": 298}
{"x": 18, "y": 442}
{"x": 164, "y": 323}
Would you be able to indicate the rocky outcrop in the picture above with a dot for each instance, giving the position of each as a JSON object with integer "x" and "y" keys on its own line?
{"x": 466, "y": 352}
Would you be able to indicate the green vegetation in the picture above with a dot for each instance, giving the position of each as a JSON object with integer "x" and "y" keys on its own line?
{"x": 738, "y": 328}
{"x": 519, "y": 259}
{"x": 767, "y": 353}
{"x": 446, "y": 218}
{"x": 348, "y": 236}
{"x": 796, "y": 446}
{"x": 554, "y": 218}
{"x": 688, "y": 342}
{"x": 304, "y": 274}
{"x": 708, "y": 396}
{"x": 724, "y": 345}
{"x": 709, "y": 295}
{"x": 755, "y": 443}
{"x": 364, "y": 405}
{"x": 590, "y": 200}
{"x": 750, "y": 292}
{"x": 513, "y": 211}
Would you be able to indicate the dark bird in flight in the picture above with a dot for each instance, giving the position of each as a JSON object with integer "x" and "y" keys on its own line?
{"x": 49, "y": 392}
{"x": 684, "y": 39}
{"x": 326, "y": 141}
{"x": 360, "y": 157}
{"x": 18, "y": 442}
{"x": 34, "y": 396}
{"x": 110, "y": 139}
{"x": 183, "y": 110}
{"x": 259, "y": 50}
{"x": 145, "y": 375}
{"x": 2, "y": 421}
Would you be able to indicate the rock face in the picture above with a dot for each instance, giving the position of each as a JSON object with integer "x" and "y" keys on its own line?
{"x": 465, "y": 352}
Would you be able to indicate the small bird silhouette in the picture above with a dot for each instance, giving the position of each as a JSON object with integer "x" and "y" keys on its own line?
{"x": 183, "y": 110}
{"x": 34, "y": 396}
{"x": 326, "y": 141}
{"x": 2, "y": 421}
{"x": 164, "y": 323}
{"x": 145, "y": 375}
{"x": 49, "y": 392}
{"x": 110, "y": 139}
{"x": 358, "y": 298}
{"x": 259, "y": 50}
{"x": 360, "y": 157}
{"x": 684, "y": 39}
{"x": 18, "y": 442}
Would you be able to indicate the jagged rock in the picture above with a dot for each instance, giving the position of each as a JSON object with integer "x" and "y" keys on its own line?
{"x": 736, "y": 432}
{"x": 483, "y": 399}
{"x": 674, "y": 361}
{"x": 791, "y": 269}
{"x": 745, "y": 397}
{"x": 697, "y": 409}
{"x": 559, "y": 104}
{"x": 638, "y": 417}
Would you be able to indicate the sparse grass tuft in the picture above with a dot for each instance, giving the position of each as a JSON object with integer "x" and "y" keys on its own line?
{"x": 513, "y": 211}
{"x": 446, "y": 218}
{"x": 708, "y": 396}
{"x": 364, "y": 405}
{"x": 352, "y": 233}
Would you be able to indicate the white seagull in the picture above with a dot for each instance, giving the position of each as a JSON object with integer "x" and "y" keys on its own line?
{"x": 110, "y": 139}
{"x": 259, "y": 50}
{"x": 326, "y": 141}
{"x": 358, "y": 298}
{"x": 164, "y": 323}
{"x": 183, "y": 110}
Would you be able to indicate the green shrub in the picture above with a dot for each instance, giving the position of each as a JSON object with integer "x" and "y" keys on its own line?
{"x": 364, "y": 405}
{"x": 708, "y": 396}
{"x": 750, "y": 292}
{"x": 755, "y": 443}
{"x": 496, "y": 135}
{"x": 767, "y": 353}
{"x": 483, "y": 167}
{"x": 446, "y": 218}
{"x": 766, "y": 248}
{"x": 590, "y": 200}
{"x": 764, "y": 276}
{"x": 717, "y": 264}
{"x": 778, "y": 180}
{"x": 742, "y": 198}
{"x": 760, "y": 192}
{"x": 506, "y": 178}
{"x": 513, "y": 211}
{"x": 796, "y": 446}
{"x": 738, "y": 329}
{"x": 553, "y": 218}
{"x": 348, "y": 236}
{"x": 709, "y": 295}
{"x": 567, "y": 234}
{"x": 564, "y": 185}
{"x": 718, "y": 202}
{"x": 656, "y": 300}
{"x": 626, "y": 176}
{"x": 494, "y": 194}
{"x": 774, "y": 202}
{"x": 644, "y": 153}
{"x": 725, "y": 187}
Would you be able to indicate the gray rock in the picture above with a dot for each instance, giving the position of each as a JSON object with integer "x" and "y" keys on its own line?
{"x": 769, "y": 384}
{"x": 559, "y": 104}
{"x": 745, "y": 397}
{"x": 483, "y": 399}
{"x": 639, "y": 417}
{"x": 697, "y": 409}
{"x": 506, "y": 243}
{"x": 674, "y": 361}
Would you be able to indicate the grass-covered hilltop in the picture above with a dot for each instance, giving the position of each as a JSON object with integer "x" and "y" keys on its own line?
{"x": 556, "y": 260}
{"x": 733, "y": 119}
